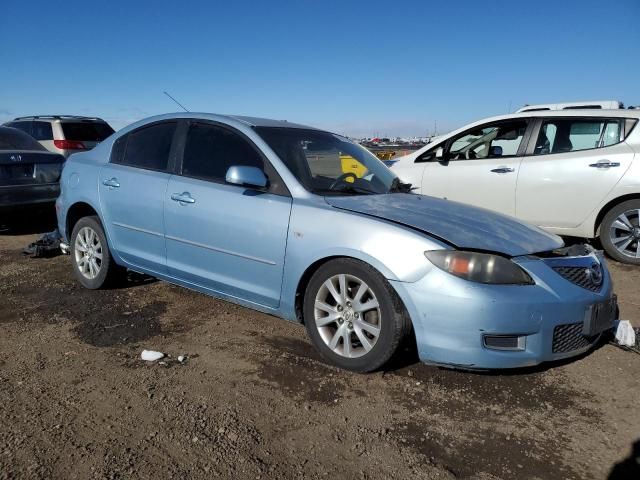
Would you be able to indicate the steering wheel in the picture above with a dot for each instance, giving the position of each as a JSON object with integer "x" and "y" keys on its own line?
{"x": 343, "y": 179}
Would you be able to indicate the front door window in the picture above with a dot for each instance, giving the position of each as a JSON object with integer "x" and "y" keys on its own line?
{"x": 490, "y": 141}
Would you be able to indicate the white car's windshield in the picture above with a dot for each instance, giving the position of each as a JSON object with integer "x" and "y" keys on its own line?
{"x": 329, "y": 164}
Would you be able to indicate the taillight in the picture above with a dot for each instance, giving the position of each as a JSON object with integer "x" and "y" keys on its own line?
{"x": 69, "y": 144}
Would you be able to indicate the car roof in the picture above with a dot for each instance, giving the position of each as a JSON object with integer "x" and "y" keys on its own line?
{"x": 222, "y": 118}
{"x": 267, "y": 122}
{"x": 589, "y": 113}
{"x": 587, "y": 105}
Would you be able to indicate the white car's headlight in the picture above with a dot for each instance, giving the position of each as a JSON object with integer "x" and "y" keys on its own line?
{"x": 479, "y": 267}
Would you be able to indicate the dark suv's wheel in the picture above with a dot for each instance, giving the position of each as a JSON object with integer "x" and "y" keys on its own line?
{"x": 353, "y": 316}
{"x": 620, "y": 232}
{"x": 92, "y": 262}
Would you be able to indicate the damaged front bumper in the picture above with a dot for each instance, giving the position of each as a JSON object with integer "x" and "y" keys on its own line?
{"x": 478, "y": 326}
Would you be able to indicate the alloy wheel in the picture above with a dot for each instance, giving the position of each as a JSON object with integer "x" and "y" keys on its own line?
{"x": 347, "y": 315}
{"x": 625, "y": 233}
{"x": 88, "y": 253}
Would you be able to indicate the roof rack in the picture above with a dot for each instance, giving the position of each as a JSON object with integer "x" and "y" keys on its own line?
{"x": 58, "y": 117}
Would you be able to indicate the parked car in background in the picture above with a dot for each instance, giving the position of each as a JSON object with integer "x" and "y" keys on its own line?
{"x": 572, "y": 172}
{"x": 64, "y": 134}
{"x": 29, "y": 174}
{"x": 262, "y": 213}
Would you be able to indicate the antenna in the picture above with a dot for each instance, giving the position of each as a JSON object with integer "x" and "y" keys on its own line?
{"x": 177, "y": 102}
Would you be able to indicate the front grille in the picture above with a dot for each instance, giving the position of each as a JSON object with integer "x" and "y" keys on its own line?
{"x": 580, "y": 276}
{"x": 567, "y": 338}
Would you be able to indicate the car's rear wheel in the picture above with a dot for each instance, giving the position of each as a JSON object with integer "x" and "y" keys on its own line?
{"x": 620, "y": 232}
{"x": 353, "y": 316}
{"x": 92, "y": 261}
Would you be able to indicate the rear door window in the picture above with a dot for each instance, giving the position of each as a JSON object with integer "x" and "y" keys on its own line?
{"x": 562, "y": 135}
{"x": 86, "y": 131}
{"x": 42, "y": 131}
{"x": 148, "y": 147}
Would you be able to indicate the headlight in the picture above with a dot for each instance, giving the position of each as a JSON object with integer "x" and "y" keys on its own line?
{"x": 479, "y": 267}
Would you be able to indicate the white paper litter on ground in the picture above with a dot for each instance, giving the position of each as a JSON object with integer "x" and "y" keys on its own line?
{"x": 151, "y": 356}
{"x": 181, "y": 358}
{"x": 625, "y": 335}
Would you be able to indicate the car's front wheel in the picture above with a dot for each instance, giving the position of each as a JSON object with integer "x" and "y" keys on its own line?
{"x": 353, "y": 316}
{"x": 620, "y": 232}
{"x": 92, "y": 261}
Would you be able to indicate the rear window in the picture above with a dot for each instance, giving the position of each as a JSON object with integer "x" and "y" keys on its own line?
{"x": 41, "y": 131}
{"x": 86, "y": 131}
{"x": 13, "y": 139}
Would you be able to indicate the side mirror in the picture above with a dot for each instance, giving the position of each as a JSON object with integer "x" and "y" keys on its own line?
{"x": 246, "y": 176}
{"x": 495, "y": 151}
{"x": 439, "y": 153}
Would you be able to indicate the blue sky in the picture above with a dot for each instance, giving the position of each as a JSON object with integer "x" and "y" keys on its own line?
{"x": 360, "y": 68}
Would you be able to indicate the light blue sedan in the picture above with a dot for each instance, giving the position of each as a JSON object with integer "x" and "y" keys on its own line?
{"x": 309, "y": 226}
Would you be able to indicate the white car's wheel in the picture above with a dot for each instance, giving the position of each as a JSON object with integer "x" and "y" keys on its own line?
{"x": 620, "y": 232}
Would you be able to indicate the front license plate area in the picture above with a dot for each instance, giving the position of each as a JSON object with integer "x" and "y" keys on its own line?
{"x": 600, "y": 317}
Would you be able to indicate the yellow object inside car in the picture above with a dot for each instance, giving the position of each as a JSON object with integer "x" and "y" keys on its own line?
{"x": 351, "y": 165}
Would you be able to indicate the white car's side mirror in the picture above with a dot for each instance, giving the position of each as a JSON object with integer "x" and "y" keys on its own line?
{"x": 439, "y": 152}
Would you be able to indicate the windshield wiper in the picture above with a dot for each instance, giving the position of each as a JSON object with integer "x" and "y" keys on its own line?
{"x": 346, "y": 188}
{"x": 397, "y": 186}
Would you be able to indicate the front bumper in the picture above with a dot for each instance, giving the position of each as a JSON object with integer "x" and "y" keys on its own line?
{"x": 451, "y": 316}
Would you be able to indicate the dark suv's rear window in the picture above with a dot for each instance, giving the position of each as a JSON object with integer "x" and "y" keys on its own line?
{"x": 86, "y": 131}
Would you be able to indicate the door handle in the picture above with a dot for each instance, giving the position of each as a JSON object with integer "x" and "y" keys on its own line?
{"x": 605, "y": 164}
{"x": 184, "y": 197}
{"x": 111, "y": 183}
{"x": 503, "y": 170}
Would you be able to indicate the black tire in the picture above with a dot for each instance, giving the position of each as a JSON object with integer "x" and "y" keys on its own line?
{"x": 393, "y": 320}
{"x": 110, "y": 274}
{"x": 612, "y": 215}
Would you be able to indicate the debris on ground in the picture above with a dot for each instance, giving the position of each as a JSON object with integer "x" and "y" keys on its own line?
{"x": 151, "y": 355}
{"x": 46, "y": 246}
{"x": 625, "y": 334}
{"x": 182, "y": 358}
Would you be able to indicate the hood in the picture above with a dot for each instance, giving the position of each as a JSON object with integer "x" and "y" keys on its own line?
{"x": 463, "y": 226}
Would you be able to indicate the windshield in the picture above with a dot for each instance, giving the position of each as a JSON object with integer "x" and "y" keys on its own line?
{"x": 329, "y": 164}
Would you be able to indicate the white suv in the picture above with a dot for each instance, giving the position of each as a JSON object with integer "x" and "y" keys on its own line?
{"x": 570, "y": 172}
{"x": 64, "y": 134}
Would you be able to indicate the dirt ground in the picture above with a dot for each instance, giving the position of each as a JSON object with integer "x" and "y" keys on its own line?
{"x": 252, "y": 399}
